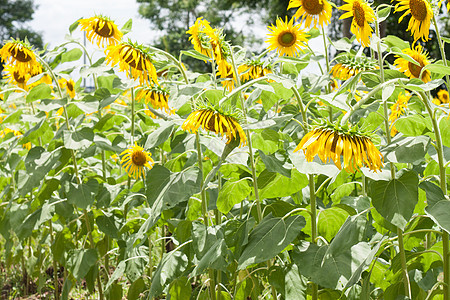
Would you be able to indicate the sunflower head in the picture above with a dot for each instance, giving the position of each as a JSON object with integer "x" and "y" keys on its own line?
{"x": 287, "y": 38}
{"x": 134, "y": 59}
{"x": 13, "y": 76}
{"x": 362, "y": 14}
{"x": 398, "y": 109}
{"x": 217, "y": 121}
{"x": 253, "y": 69}
{"x": 348, "y": 65}
{"x": 414, "y": 70}
{"x": 21, "y": 55}
{"x": 229, "y": 78}
{"x": 102, "y": 30}
{"x": 421, "y": 15}
{"x": 347, "y": 148}
{"x": 199, "y": 36}
{"x": 156, "y": 95}
{"x": 443, "y": 96}
{"x": 220, "y": 48}
{"x": 317, "y": 12}
{"x": 134, "y": 159}
{"x": 69, "y": 85}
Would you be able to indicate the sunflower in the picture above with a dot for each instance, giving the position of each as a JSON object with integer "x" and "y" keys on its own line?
{"x": 220, "y": 48}
{"x": 217, "y": 122}
{"x": 286, "y": 37}
{"x": 199, "y": 38}
{"x": 348, "y": 65}
{"x": 13, "y": 76}
{"x": 397, "y": 109}
{"x": 421, "y": 15}
{"x": 102, "y": 30}
{"x": 134, "y": 159}
{"x": 253, "y": 69}
{"x": 156, "y": 95}
{"x": 317, "y": 11}
{"x": 134, "y": 59}
{"x": 328, "y": 143}
{"x": 362, "y": 15}
{"x": 16, "y": 133}
{"x": 443, "y": 96}
{"x": 410, "y": 69}
{"x": 21, "y": 55}
{"x": 229, "y": 77}
{"x": 69, "y": 85}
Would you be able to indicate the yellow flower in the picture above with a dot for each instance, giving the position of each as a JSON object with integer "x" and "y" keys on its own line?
{"x": 229, "y": 77}
{"x": 317, "y": 11}
{"x": 4, "y": 133}
{"x": 327, "y": 143}
{"x": 443, "y": 96}
{"x": 134, "y": 60}
{"x": 216, "y": 122}
{"x": 20, "y": 54}
{"x": 102, "y": 30}
{"x": 397, "y": 109}
{"x": 362, "y": 14}
{"x": 287, "y": 38}
{"x": 13, "y": 76}
{"x": 220, "y": 48}
{"x": 410, "y": 69}
{"x": 198, "y": 36}
{"x": 156, "y": 95}
{"x": 349, "y": 65}
{"x": 69, "y": 85}
{"x": 421, "y": 15}
{"x": 134, "y": 159}
{"x": 253, "y": 69}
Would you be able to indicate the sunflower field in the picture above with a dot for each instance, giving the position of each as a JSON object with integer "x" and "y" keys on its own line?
{"x": 255, "y": 180}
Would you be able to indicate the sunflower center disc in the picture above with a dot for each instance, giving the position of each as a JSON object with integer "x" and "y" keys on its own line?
{"x": 286, "y": 39}
{"x": 21, "y": 56}
{"x": 70, "y": 86}
{"x": 104, "y": 31}
{"x": 313, "y": 7}
{"x": 445, "y": 98}
{"x": 414, "y": 69}
{"x": 418, "y": 9}
{"x": 18, "y": 78}
{"x": 131, "y": 61}
{"x": 358, "y": 14}
{"x": 138, "y": 158}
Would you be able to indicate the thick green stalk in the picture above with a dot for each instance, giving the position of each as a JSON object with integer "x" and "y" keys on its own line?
{"x": 312, "y": 198}
{"x": 327, "y": 87}
{"x": 132, "y": 116}
{"x": 441, "y": 48}
{"x": 403, "y": 261}
{"x": 55, "y": 264}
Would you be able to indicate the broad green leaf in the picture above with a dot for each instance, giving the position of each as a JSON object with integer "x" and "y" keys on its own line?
{"x": 136, "y": 288}
{"x": 180, "y": 289}
{"x": 444, "y": 126}
{"x": 395, "y": 199}
{"x": 76, "y": 140}
{"x": 171, "y": 266}
{"x": 232, "y": 192}
{"x": 438, "y": 68}
{"x": 195, "y": 54}
{"x": 266, "y": 141}
{"x": 34, "y": 220}
{"x": 387, "y": 91}
{"x": 108, "y": 224}
{"x": 127, "y": 26}
{"x": 39, "y": 92}
{"x": 313, "y": 167}
{"x": 160, "y": 135}
{"x": 83, "y": 195}
{"x": 412, "y": 125}
{"x": 383, "y": 14}
{"x": 272, "y": 185}
{"x": 274, "y": 164}
{"x": 71, "y": 55}
{"x": 80, "y": 261}
{"x": 295, "y": 284}
{"x": 394, "y": 41}
{"x": 440, "y": 213}
{"x": 214, "y": 258}
{"x": 330, "y": 221}
{"x": 433, "y": 192}
{"x": 40, "y": 133}
{"x": 407, "y": 149}
{"x": 269, "y": 238}
{"x": 115, "y": 292}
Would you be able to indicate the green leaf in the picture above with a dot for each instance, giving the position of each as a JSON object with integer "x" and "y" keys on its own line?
{"x": 127, "y": 26}
{"x": 383, "y": 14}
{"x": 444, "y": 126}
{"x": 269, "y": 238}
{"x": 75, "y": 140}
{"x": 266, "y": 141}
{"x": 438, "y": 68}
{"x": 273, "y": 164}
{"x": 232, "y": 193}
{"x": 171, "y": 266}
{"x": 115, "y": 292}
{"x": 433, "y": 192}
{"x": 195, "y": 54}
{"x": 394, "y": 41}
{"x": 83, "y": 195}
{"x": 440, "y": 214}
{"x": 330, "y": 221}
{"x": 412, "y": 125}
{"x": 71, "y": 55}
{"x": 34, "y": 220}
{"x": 39, "y": 92}
{"x": 295, "y": 284}
{"x": 387, "y": 91}
{"x": 160, "y": 135}
{"x": 73, "y": 26}
{"x": 407, "y": 149}
{"x": 272, "y": 185}
{"x": 108, "y": 224}
{"x": 180, "y": 289}
{"x": 136, "y": 288}
{"x": 79, "y": 261}
{"x": 395, "y": 199}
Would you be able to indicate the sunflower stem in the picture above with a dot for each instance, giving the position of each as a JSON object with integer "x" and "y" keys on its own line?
{"x": 327, "y": 87}
{"x": 55, "y": 264}
{"x": 441, "y": 48}
{"x": 312, "y": 198}
{"x": 300, "y": 104}
{"x": 443, "y": 184}
{"x": 403, "y": 262}
{"x": 132, "y": 115}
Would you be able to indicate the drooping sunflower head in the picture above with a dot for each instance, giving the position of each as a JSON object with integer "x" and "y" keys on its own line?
{"x": 21, "y": 55}
{"x": 156, "y": 95}
{"x": 134, "y": 59}
{"x": 348, "y": 65}
{"x": 13, "y": 76}
{"x": 362, "y": 15}
{"x": 220, "y": 48}
{"x": 199, "y": 36}
{"x": 253, "y": 69}
{"x": 134, "y": 159}
{"x": 101, "y": 30}
{"x": 421, "y": 15}
{"x": 69, "y": 85}
{"x": 228, "y": 78}
{"x": 398, "y": 109}
{"x": 219, "y": 122}
{"x": 317, "y": 12}
{"x": 443, "y": 96}
{"x": 413, "y": 70}
{"x": 328, "y": 142}
{"x": 287, "y": 38}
